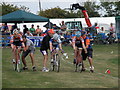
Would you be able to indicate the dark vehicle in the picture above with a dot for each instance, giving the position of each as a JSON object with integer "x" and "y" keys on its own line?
{"x": 73, "y": 25}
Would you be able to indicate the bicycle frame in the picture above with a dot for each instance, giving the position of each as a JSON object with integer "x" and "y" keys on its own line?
{"x": 17, "y": 53}
{"x": 56, "y": 60}
{"x": 78, "y": 56}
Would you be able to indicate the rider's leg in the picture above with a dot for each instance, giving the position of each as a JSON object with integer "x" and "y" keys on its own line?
{"x": 45, "y": 60}
{"x": 24, "y": 61}
{"x": 90, "y": 61}
{"x": 32, "y": 59}
{"x": 80, "y": 52}
{"x": 15, "y": 54}
{"x": 24, "y": 54}
{"x": 75, "y": 53}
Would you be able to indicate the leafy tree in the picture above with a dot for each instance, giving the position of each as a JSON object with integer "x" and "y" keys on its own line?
{"x": 106, "y": 9}
{"x": 117, "y": 8}
{"x": 53, "y": 13}
{"x": 92, "y": 9}
{"x": 8, "y": 8}
{"x": 59, "y": 13}
{"x": 110, "y": 8}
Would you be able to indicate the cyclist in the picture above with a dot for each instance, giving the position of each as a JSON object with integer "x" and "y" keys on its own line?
{"x": 16, "y": 43}
{"x": 78, "y": 45}
{"x": 44, "y": 48}
{"x": 55, "y": 43}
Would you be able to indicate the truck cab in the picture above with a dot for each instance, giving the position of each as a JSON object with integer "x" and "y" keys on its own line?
{"x": 73, "y": 25}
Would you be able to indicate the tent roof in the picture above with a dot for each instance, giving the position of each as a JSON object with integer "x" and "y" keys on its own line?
{"x": 20, "y": 16}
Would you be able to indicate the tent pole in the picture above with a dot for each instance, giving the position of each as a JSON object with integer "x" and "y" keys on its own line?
{"x": 22, "y": 25}
{"x": 49, "y": 24}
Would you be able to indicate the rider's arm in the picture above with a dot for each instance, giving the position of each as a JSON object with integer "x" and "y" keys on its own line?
{"x": 84, "y": 46}
{"x": 87, "y": 42}
{"x": 12, "y": 39}
{"x": 73, "y": 43}
{"x": 60, "y": 44}
{"x": 50, "y": 42}
{"x": 21, "y": 40}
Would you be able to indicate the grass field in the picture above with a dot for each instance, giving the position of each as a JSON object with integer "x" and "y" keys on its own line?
{"x": 103, "y": 59}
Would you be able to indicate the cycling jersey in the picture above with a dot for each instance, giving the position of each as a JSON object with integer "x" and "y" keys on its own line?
{"x": 55, "y": 40}
{"x": 16, "y": 40}
{"x": 86, "y": 41}
{"x": 78, "y": 41}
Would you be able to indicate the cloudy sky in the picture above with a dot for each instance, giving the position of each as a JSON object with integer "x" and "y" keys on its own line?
{"x": 33, "y": 5}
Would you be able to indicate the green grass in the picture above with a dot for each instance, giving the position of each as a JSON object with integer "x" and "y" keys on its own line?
{"x": 66, "y": 78}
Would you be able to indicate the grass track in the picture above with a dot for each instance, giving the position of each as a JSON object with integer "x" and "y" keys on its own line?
{"x": 66, "y": 78}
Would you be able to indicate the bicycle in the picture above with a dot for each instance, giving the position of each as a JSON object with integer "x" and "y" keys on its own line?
{"x": 55, "y": 65}
{"x": 17, "y": 65}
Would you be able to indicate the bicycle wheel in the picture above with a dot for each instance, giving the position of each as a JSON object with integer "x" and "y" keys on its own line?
{"x": 57, "y": 62}
{"x": 52, "y": 66}
{"x": 53, "y": 63}
{"x": 18, "y": 68}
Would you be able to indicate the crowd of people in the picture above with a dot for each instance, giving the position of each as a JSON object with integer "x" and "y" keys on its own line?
{"x": 81, "y": 41}
{"x": 28, "y": 32}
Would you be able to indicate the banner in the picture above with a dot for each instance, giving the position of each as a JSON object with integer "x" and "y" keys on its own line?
{"x": 36, "y": 40}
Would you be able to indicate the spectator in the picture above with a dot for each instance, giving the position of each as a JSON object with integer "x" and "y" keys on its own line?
{"x": 28, "y": 33}
{"x": 102, "y": 30}
{"x": 4, "y": 28}
{"x": 55, "y": 27}
{"x": 25, "y": 29}
{"x": 38, "y": 31}
{"x": 13, "y": 27}
{"x": 63, "y": 26}
{"x": 111, "y": 29}
{"x": 32, "y": 29}
{"x": 93, "y": 30}
{"x": 46, "y": 30}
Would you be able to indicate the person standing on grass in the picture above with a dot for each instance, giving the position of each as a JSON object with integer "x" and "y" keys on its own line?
{"x": 44, "y": 47}
{"x": 90, "y": 53}
{"x": 88, "y": 45}
{"x": 29, "y": 49}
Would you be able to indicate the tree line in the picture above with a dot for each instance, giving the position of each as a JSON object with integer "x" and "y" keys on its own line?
{"x": 104, "y": 9}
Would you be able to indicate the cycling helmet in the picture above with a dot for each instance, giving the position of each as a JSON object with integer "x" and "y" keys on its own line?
{"x": 56, "y": 36}
{"x": 78, "y": 34}
{"x": 15, "y": 31}
{"x": 51, "y": 31}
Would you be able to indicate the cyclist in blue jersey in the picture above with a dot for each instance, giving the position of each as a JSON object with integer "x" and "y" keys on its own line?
{"x": 55, "y": 43}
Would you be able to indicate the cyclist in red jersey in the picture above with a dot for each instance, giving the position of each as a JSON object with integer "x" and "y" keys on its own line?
{"x": 78, "y": 46}
{"x": 16, "y": 44}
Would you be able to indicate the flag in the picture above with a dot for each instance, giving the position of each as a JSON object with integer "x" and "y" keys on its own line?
{"x": 108, "y": 71}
